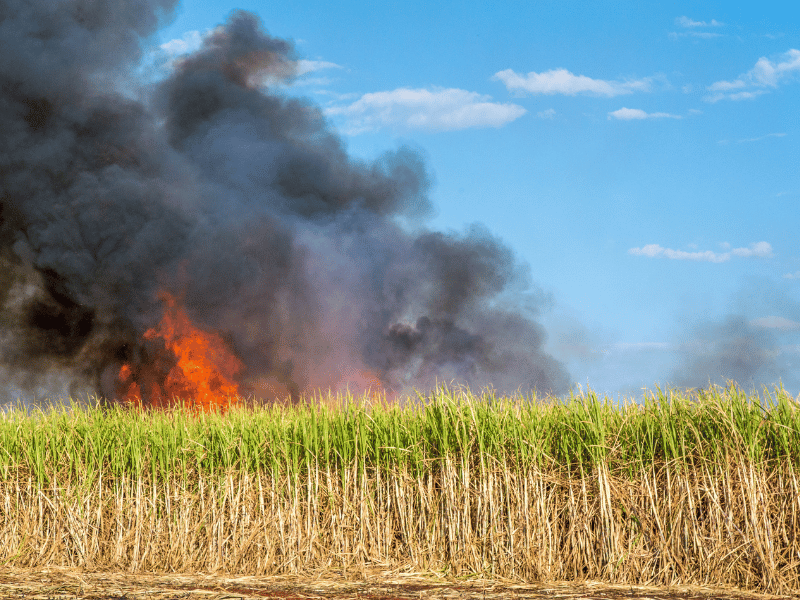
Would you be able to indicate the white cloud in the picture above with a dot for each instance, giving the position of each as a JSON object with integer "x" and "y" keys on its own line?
{"x": 691, "y": 26}
{"x": 762, "y": 137}
{"x": 706, "y": 35}
{"x": 628, "y": 114}
{"x": 189, "y": 42}
{"x": 765, "y": 75}
{"x": 435, "y": 109}
{"x": 775, "y": 322}
{"x": 158, "y": 61}
{"x": 561, "y": 81}
{"x": 726, "y": 86}
{"x": 309, "y": 66}
{"x": 758, "y": 249}
{"x": 308, "y": 82}
{"x": 755, "y": 250}
{"x": 742, "y": 95}
{"x": 546, "y": 114}
{"x": 304, "y": 70}
{"x": 633, "y": 114}
{"x": 336, "y": 96}
{"x": 795, "y": 275}
{"x": 687, "y": 22}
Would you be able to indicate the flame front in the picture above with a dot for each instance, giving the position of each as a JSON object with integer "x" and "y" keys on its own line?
{"x": 204, "y": 371}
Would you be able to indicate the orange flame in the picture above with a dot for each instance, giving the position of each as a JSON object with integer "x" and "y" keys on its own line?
{"x": 205, "y": 371}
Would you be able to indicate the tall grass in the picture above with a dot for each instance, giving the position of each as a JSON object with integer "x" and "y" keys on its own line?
{"x": 676, "y": 489}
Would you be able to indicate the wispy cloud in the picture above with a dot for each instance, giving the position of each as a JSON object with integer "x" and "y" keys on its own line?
{"x": 435, "y": 109}
{"x": 775, "y": 322}
{"x": 692, "y": 28}
{"x": 636, "y": 114}
{"x": 795, "y": 275}
{"x": 755, "y": 250}
{"x": 691, "y": 23}
{"x": 546, "y": 114}
{"x": 763, "y": 77}
{"x": 762, "y": 137}
{"x": 755, "y": 139}
{"x": 706, "y": 35}
{"x": 306, "y": 74}
{"x": 561, "y": 81}
{"x": 310, "y": 66}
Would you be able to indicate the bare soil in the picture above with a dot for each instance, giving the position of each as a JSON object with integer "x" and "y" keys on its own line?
{"x": 55, "y": 583}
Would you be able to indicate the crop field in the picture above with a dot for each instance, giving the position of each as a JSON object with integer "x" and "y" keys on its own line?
{"x": 679, "y": 489}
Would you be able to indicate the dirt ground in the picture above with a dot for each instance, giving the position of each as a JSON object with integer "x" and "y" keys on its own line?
{"x": 69, "y": 584}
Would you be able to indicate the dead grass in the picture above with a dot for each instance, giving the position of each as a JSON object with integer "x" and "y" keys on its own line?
{"x": 665, "y": 527}
{"x": 729, "y": 518}
{"x": 58, "y": 583}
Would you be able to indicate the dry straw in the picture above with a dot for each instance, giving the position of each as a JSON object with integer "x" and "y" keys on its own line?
{"x": 680, "y": 489}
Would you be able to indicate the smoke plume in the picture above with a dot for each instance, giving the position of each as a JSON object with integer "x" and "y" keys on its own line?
{"x": 729, "y": 350}
{"x": 315, "y": 268}
{"x": 755, "y": 347}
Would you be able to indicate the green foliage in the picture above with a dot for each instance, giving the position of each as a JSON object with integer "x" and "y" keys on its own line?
{"x": 336, "y": 434}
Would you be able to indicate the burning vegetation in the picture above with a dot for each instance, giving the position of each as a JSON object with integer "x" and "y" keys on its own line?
{"x": 204, "y": 371}
{"x": 210, "y": 224}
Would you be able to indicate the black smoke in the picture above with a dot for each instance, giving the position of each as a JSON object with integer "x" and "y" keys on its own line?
{"x": 242, "y": 202}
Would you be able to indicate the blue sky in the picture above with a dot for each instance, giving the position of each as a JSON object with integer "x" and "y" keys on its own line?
{"x": 640, "y": 157}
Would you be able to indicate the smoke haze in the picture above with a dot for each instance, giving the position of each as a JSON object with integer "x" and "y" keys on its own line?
{"x": 317, "y": 269}
{"x": 728, "y": 350}
{"x": 758, "y": 345}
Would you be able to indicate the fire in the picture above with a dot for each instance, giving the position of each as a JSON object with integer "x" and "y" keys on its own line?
{"x": 204, "y": 369}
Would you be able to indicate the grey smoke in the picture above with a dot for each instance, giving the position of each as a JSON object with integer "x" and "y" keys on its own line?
{"x": 315, "y": 267}
{"x": 729, "y": 350}
{"x": 757, "y": 346}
